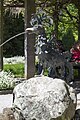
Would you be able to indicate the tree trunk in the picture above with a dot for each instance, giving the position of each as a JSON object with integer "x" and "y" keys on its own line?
{"x": 79, "y": 24}
{"x": 1, "y": 34}
{"x": 55, "y": 17}
{"x": 29, "y": 41}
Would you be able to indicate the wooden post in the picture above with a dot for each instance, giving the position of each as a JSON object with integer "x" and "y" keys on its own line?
{"x": 29, "y": 41}
{"x": 1, "y": 34}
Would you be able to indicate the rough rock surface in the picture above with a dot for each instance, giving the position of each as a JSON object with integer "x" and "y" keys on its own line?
{"x": 7, "y": 114}
{"x": 44, "y": 98}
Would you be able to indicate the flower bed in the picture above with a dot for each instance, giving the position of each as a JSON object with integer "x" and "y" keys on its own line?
{"x": 6, "y": 81}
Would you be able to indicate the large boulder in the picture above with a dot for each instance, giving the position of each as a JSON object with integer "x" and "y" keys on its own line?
{"x": 44, "y": 98}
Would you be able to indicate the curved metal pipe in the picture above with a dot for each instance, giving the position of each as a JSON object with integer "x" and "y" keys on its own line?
{"x": 11, "y": 38}
{"x": 33, "y": 29}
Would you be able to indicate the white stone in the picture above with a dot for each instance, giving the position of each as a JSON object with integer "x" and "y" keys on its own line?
{"x": 44, "y": 98}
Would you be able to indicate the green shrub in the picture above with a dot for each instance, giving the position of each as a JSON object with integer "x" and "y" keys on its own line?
{"x": 16, "y": 69}
{"x": 68, "y": 40}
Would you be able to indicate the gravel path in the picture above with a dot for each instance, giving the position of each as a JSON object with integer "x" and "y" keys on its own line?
{"x": 5, "y": 101}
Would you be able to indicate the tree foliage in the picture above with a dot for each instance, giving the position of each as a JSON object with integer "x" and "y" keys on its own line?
{"x": 63, "y": 13}
{"x": 69, "y": 21}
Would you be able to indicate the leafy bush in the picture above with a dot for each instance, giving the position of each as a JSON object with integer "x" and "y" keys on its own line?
{"x": 6, "y": 80}
{"x": 68, "y": 40}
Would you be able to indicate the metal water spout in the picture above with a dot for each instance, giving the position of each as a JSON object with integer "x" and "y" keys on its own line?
{"x": 28, "y": 30}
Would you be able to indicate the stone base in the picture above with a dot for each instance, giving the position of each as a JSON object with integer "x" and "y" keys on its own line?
{"x": 7, "y": 114}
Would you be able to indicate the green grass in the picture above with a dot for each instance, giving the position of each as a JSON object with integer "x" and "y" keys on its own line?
{"x": 16, "y": 69}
